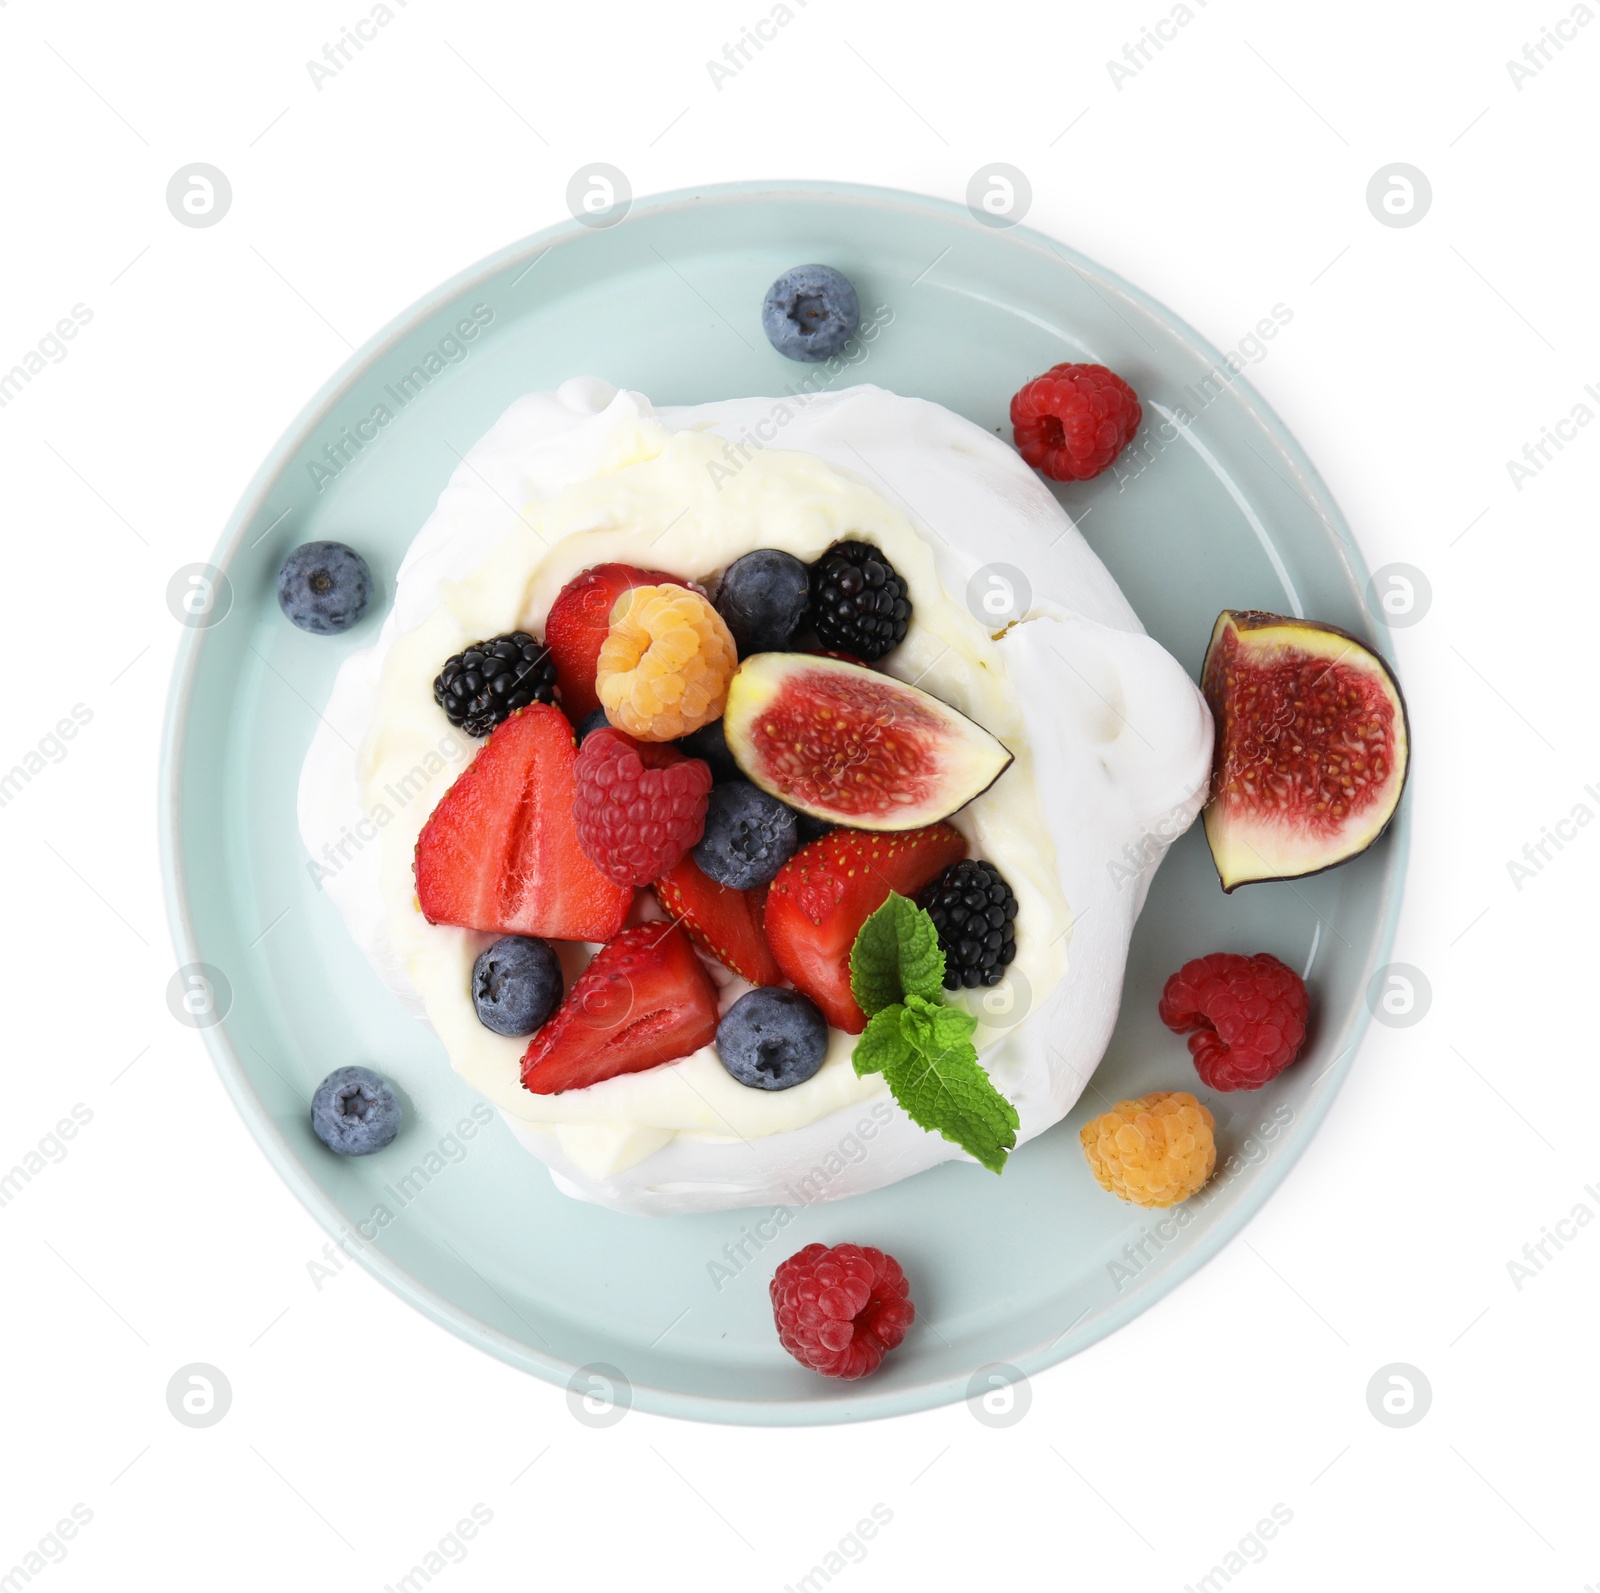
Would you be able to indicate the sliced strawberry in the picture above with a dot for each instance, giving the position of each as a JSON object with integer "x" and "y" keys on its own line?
{"x": 827, "y": 891}
{"x": 725, "y": 922}
{"x": 577, "y": 625}
{"x": 501, "y": 853}
{"x": 643, "y": 1001}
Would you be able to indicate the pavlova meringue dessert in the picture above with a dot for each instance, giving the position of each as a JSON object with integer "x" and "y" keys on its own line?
{"x": 768, "y": 790}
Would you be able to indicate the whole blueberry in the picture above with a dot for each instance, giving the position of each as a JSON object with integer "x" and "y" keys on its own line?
{"x": 810, "y": 312}
{"x": 710, "y": 744}
{"x": 748, "y": 836}
{"x": 516, "y": 984}
{"x": 324, "y": 587}
{"x": 355, "y": 1112}
{"x": 772, "y": 1039}
{"x": 763, "y": 599}
{"x": 595, "y": 721}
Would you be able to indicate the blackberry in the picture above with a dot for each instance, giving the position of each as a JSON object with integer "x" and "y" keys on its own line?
{"x": 858, "y": 601}
{"x": 485, "y": 685}
{"x": 974, "y": 910}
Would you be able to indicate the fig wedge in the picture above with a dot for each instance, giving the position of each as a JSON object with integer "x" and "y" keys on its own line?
{"x": 855, "y": 747}
{"x": 1312, "y": 746}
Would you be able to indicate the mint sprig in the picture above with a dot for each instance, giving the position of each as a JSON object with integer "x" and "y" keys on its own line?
{"x": 923, "y": 1047}
{"x": 896, "y": 954}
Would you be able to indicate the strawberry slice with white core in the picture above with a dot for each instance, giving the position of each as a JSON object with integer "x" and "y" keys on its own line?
{"x": 500, "y": 853}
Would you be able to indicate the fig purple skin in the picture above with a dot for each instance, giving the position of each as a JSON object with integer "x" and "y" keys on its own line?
{"x": 1312, "y": 747}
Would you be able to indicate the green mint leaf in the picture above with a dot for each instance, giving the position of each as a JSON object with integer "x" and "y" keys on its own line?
{"x": 923, "y": 1047}
{"x": 947, "y": 1091}
{"x": 881, "y": 1042}
{"x": 932, "y": 1028}
{"x": 896, "y": 954}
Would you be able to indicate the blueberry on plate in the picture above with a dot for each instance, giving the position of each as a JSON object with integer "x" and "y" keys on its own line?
{"x": 324, "y": 587}
{"x": 810, "y": 313}
{"x": 516, "y": 984}
{"x": 763, "y": 600}
{"x": 709, "y": 744}
{"x": 748, "y": 836}
{"x": 772, "y": 1039}
{"x": 355, "y": 1112}
{"x": 595, "y": 721}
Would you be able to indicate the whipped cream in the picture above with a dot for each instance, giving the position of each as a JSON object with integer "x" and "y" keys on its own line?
{"x": 1112, "y": 744}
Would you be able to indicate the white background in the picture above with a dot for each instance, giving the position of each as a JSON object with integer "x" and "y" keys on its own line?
{"x": 1227, "y": 175}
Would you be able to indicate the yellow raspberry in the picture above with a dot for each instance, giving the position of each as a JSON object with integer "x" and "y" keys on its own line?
{"x": 1155, "y": 1151}
{"x": 665, "y": 664}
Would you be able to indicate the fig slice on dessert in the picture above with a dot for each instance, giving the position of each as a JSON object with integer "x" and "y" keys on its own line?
{"x": 1312, "y": 746}
{"x": 855, "y": 747}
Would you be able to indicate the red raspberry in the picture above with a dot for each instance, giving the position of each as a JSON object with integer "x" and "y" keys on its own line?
{"x": 1074, "y": 420}
{"x": 841, "y": 1310}
{"x": 639, "y": 806}
{"x": 1245, "y": 1017}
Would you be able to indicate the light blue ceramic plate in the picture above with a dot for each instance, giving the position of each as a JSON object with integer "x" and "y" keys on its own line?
{"x": 1022, "y": 1270}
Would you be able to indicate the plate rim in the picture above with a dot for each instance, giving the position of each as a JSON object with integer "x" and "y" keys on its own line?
{"x": 729, "y": 1410}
